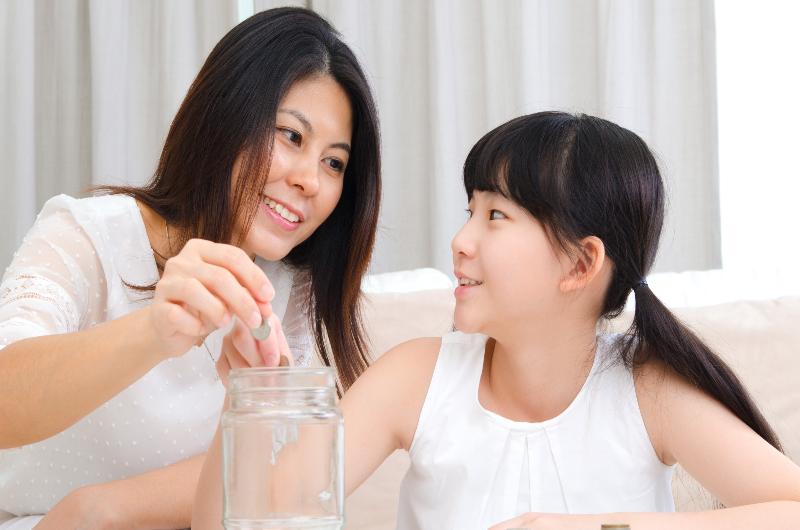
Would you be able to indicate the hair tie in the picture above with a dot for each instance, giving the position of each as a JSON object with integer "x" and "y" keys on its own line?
{"x": 639, "y": 284}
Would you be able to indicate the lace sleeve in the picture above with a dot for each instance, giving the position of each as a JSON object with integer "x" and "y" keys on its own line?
{"x": 296, "y": 323}
{"x": 55, "y": 283}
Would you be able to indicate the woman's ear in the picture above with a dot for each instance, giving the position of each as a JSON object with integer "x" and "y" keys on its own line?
{"x": 585, "y": 264}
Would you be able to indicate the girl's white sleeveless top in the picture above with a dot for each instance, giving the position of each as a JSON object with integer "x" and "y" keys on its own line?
{"x": 68, "y": 276}
{"x": 471, "y": 468}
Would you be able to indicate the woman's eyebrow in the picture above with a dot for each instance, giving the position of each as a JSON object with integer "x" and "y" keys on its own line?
{"x": 342, "y": 145}
{"x": 299, "y": 115}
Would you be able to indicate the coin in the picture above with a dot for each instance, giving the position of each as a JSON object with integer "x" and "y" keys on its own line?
{"x": 262, "y": 331}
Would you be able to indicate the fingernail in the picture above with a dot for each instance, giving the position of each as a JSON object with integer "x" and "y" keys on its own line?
{"x": 267, "y": 292}
{"x": 255, "y": 320}
{"x": 272, "y": 360}
{"x": 226, "y": 320}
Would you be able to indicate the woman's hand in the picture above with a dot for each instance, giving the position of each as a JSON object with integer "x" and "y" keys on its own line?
{"x": 87, "y": 508}
{"x": 241, "y": 350}
{"x": 202, "y": 288}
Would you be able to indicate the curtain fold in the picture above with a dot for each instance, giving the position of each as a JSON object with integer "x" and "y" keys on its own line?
{"x": 89, "y": 90}
{"x": 448, "y": 71}
{"x": 90, "y": 87}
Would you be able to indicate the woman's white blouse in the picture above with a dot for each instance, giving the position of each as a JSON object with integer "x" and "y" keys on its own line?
{"x": 68, "y": 276}
{"x": 471, "y": 468}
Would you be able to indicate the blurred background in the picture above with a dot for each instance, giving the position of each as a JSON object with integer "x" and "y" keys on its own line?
{"x": 89, "y": 88}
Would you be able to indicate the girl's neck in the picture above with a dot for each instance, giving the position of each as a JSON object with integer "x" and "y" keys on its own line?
{"x": 533, "y": 375}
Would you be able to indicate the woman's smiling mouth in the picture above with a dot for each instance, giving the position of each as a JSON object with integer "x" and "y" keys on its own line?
{"x": 280, "y": 214}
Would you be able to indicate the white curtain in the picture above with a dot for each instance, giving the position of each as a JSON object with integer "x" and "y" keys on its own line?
{"x": 448, "y": 71}
{"x": 89, "y": 89}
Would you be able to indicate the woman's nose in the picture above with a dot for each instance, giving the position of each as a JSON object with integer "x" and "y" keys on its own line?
{"x": 305, "y": 175}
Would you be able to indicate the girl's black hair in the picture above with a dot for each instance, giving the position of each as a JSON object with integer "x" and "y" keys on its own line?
{"x": 229, "y": 112}
{"x": 584, "y": 176}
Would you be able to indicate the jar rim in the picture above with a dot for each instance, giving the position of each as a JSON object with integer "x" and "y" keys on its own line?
{"x": 282, "y": 378}
{"x": 264, "y": 370}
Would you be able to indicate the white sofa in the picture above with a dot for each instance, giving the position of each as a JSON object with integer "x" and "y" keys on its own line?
{"x": 749, "y": 317}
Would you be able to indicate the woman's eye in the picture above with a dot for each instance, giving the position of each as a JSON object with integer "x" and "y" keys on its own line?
{"x": 469, "y": 213}
{"x": 291, "y": 135}
{"x": 335, "y": 164}
{"x": 496, "y": 214}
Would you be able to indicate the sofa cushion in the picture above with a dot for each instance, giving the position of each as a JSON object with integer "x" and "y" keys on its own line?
{"x": 759, "y": 339}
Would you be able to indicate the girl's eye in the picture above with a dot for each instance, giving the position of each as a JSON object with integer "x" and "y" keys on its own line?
{"x": 292, "y": 135}
{"x": 335, "y": 164}
{"x": 469, "y": 213}
{"x": 496, "y": 214}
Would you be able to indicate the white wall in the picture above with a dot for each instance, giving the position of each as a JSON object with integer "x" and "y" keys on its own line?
{"x": 758, "y": 69}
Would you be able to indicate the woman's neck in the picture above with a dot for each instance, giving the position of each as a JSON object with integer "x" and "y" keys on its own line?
{"x": 535, "y": 373}
{"x": 156, "y": 228}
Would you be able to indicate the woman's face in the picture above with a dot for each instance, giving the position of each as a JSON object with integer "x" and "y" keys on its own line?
{"x": 314, "y": 127}
{"x": 508, "y": 271}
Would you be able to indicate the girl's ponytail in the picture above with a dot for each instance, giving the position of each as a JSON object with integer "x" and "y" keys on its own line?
{"x": 657, "y": 332}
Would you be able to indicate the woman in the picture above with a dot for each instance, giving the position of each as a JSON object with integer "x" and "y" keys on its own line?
{"x": 116, "y": 307}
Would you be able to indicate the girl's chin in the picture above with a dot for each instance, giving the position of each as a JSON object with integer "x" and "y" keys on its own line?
{"x": 465, "y": 323}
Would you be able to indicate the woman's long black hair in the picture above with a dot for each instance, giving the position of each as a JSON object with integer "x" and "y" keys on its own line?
{"x": 584, "y": 176}
{"x": 229, "y": 112}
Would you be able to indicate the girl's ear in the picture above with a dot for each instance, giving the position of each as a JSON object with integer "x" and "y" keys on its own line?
{"x": 585, "y": 264}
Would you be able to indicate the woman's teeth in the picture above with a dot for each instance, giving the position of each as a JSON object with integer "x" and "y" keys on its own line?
{"x": 280, "y": 210}
{"x": 467, "y": 281}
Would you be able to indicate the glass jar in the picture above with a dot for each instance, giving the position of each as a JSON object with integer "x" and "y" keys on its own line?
{"x": 283, "y": 450}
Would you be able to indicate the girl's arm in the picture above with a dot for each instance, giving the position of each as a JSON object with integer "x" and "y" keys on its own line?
{"x": 759, "y": 486}
{"x": 382, "y": 408}
{"x": 381, "y": 412}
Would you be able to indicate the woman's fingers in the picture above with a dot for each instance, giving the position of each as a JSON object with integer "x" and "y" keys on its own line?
{"x": 178, "y": 319}
{"x": 226, "y": 288}
{"x": 248, "y": 274}
{"x": 275, "y": 345}
{"x": 195, "y": 298}
{"x": 246, "y": 345}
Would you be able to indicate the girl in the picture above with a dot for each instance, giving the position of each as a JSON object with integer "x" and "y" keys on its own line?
{"x": 109, "y": 386}
{"x": 529, "y": 418}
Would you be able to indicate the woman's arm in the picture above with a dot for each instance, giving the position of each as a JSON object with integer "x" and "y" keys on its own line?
{"x": 381, "y": 412}
{"x": 161, "y": 498}
{"x": 48, "y": 383}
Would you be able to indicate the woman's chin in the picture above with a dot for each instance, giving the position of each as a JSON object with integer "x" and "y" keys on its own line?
{"x": 275, "y": 251}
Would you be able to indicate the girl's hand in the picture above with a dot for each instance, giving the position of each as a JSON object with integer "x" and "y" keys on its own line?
{"x": 241, "y": 350}
{"x": 548, "y": 521}
{"x": 202, "y": 288}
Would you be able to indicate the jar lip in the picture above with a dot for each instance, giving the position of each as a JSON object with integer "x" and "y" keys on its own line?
{"x": 283, "y": 379}
{"x": 265, "y": 370}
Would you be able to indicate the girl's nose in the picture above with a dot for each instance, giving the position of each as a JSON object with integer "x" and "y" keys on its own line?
{"x": 463, "y": 244}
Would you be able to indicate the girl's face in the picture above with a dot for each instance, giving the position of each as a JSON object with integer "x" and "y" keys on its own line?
{"x": 312, "y": 147}
{"x": 508, "y": 271}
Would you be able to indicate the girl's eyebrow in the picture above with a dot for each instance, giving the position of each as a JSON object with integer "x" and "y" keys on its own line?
{"x": 307, "y": 124}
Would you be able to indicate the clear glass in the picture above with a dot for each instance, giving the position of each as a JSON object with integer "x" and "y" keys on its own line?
{"x": 283, "y": 450}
